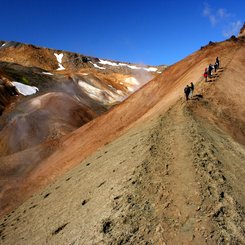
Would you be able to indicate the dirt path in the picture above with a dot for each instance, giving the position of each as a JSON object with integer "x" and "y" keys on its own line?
{"x": 168, "y": 181}
{"x": 166, "y": 189}
{"x": 181, "y": 194}
{"x": 173, "y": 178}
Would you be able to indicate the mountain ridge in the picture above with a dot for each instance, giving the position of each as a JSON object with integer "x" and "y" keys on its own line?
{"x": 75, "y": 57}
{"x": 154, "y": 169}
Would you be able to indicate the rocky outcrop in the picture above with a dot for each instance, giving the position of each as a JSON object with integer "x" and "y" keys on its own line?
{"x": 7, "y": 92}
{"x": 242, "y": 31}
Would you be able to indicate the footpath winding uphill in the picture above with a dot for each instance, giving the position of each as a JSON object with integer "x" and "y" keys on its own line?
{"x": 159, "y": 171}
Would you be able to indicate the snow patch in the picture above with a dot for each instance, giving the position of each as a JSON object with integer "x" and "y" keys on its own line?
{"x": 153, "y": 69}
{"x": 47, "y": 73}
{"x": 25, "y": 89}
{"x": 59, "y": 58}
{"x": 61, "y": 67}
{"x": 3, "y": 45}
{"x": 96, "y": 66}
{"x": 106, "y": 62}
{"x": 134, "y": 67}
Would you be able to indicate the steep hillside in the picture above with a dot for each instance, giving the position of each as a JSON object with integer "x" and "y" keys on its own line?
{"x": 92, "y": 85}
{"x": 153, "y": 170}
{"x": 40, "y": 67}
{"x": 46, "y": 94}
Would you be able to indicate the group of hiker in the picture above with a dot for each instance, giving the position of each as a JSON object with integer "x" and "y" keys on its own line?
{"x": 189, "y": 89}
{"x": 210, "y": 68}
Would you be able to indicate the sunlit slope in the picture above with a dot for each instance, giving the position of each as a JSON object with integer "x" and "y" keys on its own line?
{"x": 157, "y": 169}
{"x": 57, "y": 93}
{"x": 154, "y": 98}
{"x": 92, "y": 85}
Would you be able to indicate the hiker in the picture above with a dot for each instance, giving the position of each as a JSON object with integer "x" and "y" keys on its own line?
{"x": 217, "y": 61}
{"x": 187, "y": 91}
{"x": 191, "y": 89}
{"x": 205, "y": 74}
{"x": 210, "y": 68}
{"x": 216, "y": 67}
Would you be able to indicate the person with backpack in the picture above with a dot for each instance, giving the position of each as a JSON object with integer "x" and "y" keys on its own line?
{"x": 205, "y": 74}
{"x": 187, "y": 91}
{"x": 217, "y": 61}
{"x": 191, "y": 89}
{"x": 216, "y": 67}
{"x": 210, "y": 68}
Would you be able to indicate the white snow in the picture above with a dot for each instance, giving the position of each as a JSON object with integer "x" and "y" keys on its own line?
{"x": 122, "y": 64}
{"x": 96, "y": 66}
{"x": 47, "y": 73}
{"x": 61, "y": 67}
{"x": 131, "y": 66}
{"x": 134, "y": 67}
{"x": 159, "y": 72}
{"x": 153, "y": 69}
{"x": 106, "y": 62}
{"x": 25, "y": 89}
{"x": 3, "y": 44}
{"x": 59, "y": 57}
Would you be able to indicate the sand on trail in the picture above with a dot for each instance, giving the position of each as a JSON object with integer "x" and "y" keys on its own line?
{"x": 175, "y": 176}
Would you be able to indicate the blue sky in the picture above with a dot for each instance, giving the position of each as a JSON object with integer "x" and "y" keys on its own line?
{"x": 146, "y": 32}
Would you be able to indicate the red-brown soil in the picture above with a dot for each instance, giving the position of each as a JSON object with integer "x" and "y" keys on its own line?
{"x": 32, "y": 127}
{"x": 154, "y": 170}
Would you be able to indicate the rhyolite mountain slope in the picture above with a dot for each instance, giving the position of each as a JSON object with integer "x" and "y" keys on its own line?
{"x": 104, "y": 81}
{"x": 155, "y": 169}
{"x": 59, "y": 92}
